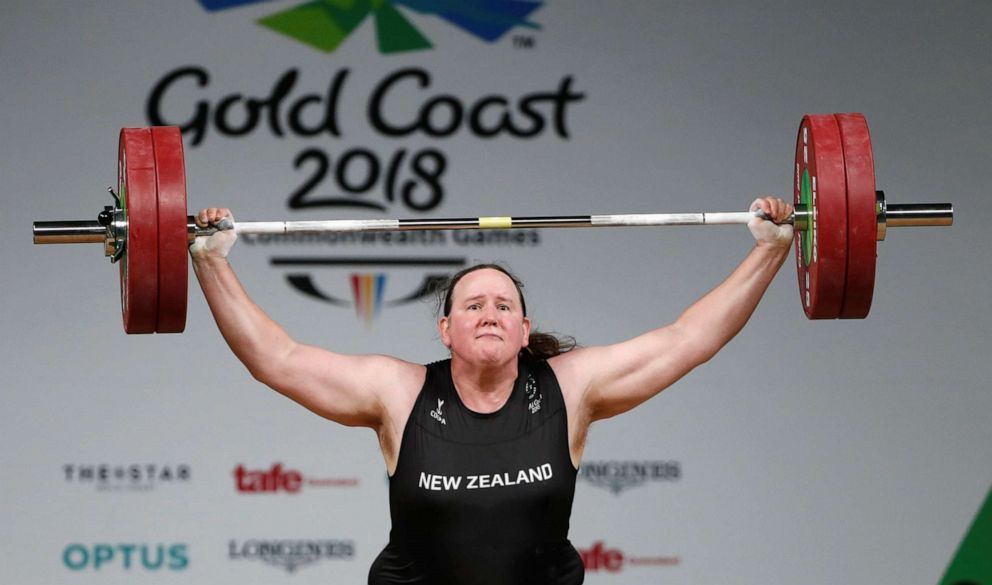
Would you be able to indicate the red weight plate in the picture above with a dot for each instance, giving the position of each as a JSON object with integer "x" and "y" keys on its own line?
{"x": 821, "y": 250}
{"x": 139, "y": 264}
{"x": 170, "y": 172}
{"x": 862, "y": 227}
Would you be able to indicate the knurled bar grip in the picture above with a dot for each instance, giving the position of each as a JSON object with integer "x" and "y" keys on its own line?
{"x": 495, "y": 222}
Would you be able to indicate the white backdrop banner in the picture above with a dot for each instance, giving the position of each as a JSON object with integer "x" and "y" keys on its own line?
{"x": 806, "y": 452}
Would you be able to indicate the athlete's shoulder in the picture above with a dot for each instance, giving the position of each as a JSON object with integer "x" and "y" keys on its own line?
{"x": 444, "y": 364}
{"x": 399, "y": 382}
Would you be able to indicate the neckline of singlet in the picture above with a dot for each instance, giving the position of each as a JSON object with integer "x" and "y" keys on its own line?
{"x": 488, "y": 415}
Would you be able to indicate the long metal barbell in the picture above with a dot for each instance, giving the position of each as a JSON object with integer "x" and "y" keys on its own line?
{"x": 839, "y": 216}
{"x": 113, "y": 235}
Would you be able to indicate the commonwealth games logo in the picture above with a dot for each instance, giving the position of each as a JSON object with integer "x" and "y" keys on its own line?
{"x": 325, "y": 24}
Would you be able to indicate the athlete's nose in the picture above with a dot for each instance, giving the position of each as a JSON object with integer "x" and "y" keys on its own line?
{"x": 489, "y": 316}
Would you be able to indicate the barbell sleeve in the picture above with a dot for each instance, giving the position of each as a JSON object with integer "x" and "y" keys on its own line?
{"x": 919, "y": 214}
{"x": 68, "y": 232}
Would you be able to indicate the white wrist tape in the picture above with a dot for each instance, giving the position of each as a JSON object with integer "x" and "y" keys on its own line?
{"x": 219, "y": 243}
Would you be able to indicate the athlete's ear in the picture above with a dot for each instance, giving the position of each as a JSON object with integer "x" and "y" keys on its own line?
{"x": 442, "y": 329}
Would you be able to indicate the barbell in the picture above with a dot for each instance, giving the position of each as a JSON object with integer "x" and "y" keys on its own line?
{"x": 839, "y": 217}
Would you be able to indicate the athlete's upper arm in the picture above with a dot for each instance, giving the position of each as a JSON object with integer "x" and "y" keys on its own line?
{"x": 603, "y": 381}
{"x": 354, "y": 390}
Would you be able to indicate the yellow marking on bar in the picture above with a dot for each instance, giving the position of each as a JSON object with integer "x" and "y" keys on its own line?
{"x": 489, "y": 223}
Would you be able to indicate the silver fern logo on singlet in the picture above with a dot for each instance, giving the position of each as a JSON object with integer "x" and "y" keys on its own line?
{"x": 436, "y": 413}
{"x": 533, "y": 397}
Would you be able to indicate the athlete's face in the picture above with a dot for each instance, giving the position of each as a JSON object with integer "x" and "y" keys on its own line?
{"x": 486, "y": 324}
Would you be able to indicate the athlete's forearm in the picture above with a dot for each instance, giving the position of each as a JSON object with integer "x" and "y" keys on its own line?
{"x": 717, "y": 317}
{"x": 252, "y": 335}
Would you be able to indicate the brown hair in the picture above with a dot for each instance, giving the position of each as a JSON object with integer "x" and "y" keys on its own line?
{"x": 540, "y": 345}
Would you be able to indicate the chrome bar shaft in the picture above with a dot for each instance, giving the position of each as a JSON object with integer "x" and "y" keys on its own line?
{"x": 919, "y": 214}
{"x": 69, "y": 232}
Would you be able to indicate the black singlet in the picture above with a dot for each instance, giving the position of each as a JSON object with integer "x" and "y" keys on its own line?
{"x": 483, "y": 499}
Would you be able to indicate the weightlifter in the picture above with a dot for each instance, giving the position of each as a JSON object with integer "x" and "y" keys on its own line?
{"x": 482, "y": 449}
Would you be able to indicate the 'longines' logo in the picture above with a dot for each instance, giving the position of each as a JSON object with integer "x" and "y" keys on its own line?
{"x": 291, "y": 554}
{"x": 618, "y": 476}
{"x": 325, "y": 25}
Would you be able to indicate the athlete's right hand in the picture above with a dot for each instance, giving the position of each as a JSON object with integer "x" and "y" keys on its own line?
{"x": 220, "y": 242}
{"x": 771, "y": 231}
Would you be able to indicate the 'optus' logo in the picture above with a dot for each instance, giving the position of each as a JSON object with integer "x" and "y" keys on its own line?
{"x": 325, "y": 24}
{"x": 126, "y": 557}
